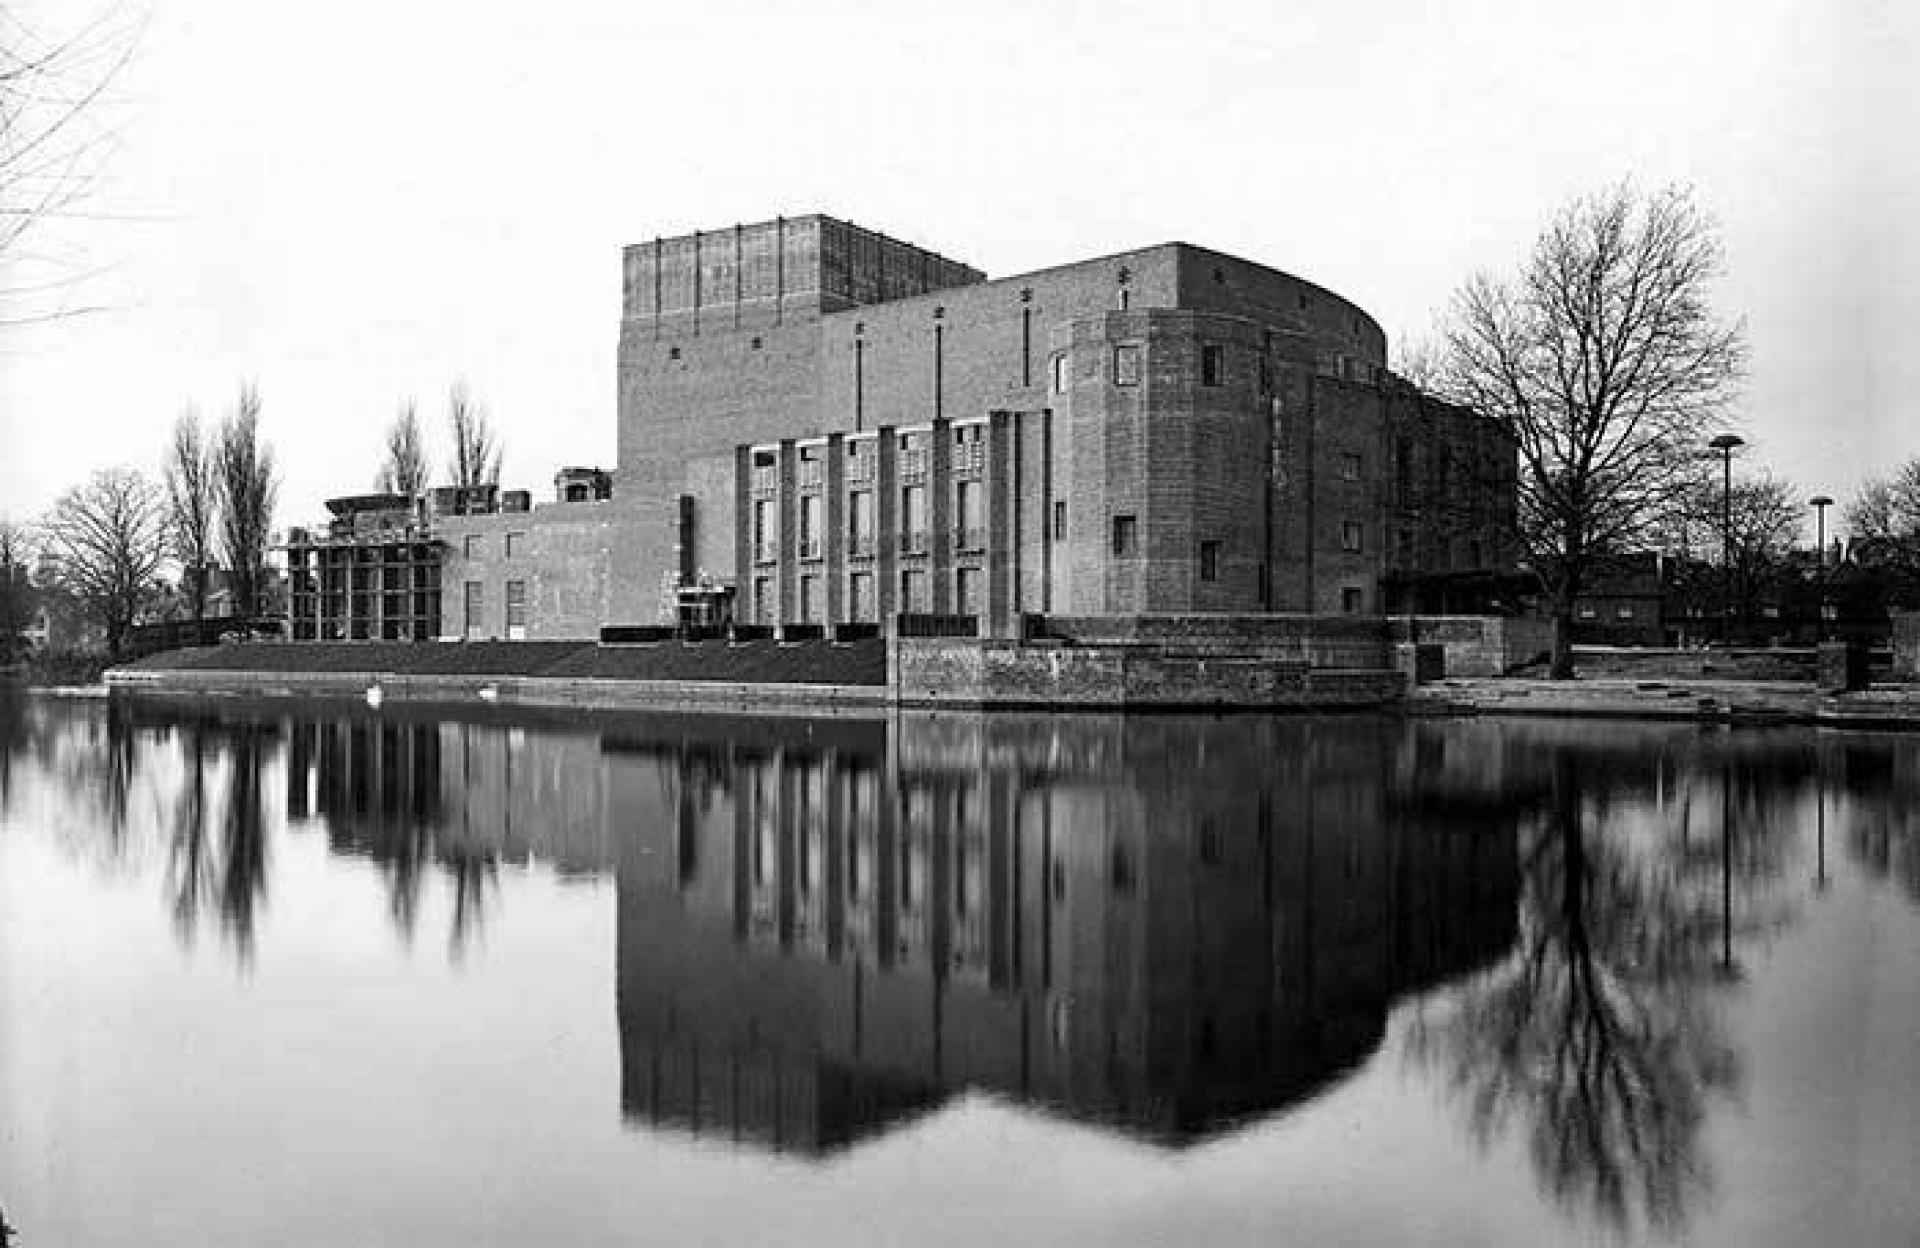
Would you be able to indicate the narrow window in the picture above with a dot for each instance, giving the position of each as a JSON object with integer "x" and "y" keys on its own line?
{"x": 516, "y": 609}
{"x": 1126, "y": 365}
{"x": 1349, "y": 466}
{"x": 1352, "y": 535}
{"x": 810, "y": 526}
{"x": 1058, "y": 365}
{"x": 1209, "y": 561}
{"x": 515, "y": 541}
{"x": 913, "y": 519}
{"x": 809, "y": 599}
{"x": 475, "y": 604}
{"x": 1125, "y": 536}
{"x": 1212, "y": 364}
{"x": 1352, "y": 599}
{"x": 1059, "y": 520}
{"x": 472, "y": 546}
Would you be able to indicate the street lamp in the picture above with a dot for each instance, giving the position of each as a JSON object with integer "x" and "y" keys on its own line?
{"x": 1725, "y": 444}
{"x": 1820, "y": 503}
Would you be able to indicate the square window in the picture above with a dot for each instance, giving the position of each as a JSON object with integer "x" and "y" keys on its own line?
{"x": 1349, "y": 466}
{"x": 1126, "y": 365}
{"x": 1125, "y": 536}
{"x": 1352, "y": 536}
{"x": 1353, "y": 599}
{"x": 1213, "y": 364}
{"x": 1209, "y": 561}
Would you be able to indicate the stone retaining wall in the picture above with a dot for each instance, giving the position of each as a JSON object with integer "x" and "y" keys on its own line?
{"x": 998, "y": 673}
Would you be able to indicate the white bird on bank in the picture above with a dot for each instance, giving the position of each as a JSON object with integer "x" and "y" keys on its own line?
{"x": 375, "y": 696}
{"x": 490, "y": 693}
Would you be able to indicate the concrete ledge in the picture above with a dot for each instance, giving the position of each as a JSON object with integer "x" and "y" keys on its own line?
{"x": 599, "y": 693}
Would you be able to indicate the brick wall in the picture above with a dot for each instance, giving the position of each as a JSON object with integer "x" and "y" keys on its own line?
{"x": 1906, "y": 645}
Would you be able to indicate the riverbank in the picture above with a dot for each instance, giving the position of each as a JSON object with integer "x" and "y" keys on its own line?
{"x": 1697, "y": 701}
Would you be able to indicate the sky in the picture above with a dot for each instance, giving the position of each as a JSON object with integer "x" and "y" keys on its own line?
{"x": 356, "y": 204}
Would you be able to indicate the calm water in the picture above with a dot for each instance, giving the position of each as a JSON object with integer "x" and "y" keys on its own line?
{"x": 298, "y": 973}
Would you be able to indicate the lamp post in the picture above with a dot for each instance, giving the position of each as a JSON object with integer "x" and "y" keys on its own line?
{"x": 1725, "y": 444}
{"x": 1820, "y": 503}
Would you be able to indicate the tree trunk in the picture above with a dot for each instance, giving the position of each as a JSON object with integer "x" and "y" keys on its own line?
{"x": 1561, "y": 665}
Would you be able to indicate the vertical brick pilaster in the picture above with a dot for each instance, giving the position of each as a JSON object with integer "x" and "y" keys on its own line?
{"x": 886, "y": 520}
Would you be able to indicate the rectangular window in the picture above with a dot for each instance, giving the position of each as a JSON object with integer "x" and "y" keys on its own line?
{"x": 1352, "y": 599}
{"x": 1126, "y": 365}
{"x": 1125, "y": 536}
{"x": 809, "y": 600}
{"x": 1625, "y": 612}
{"x": 763, "y": 527}
{"x": 860, "y": 603}
{"x": 913, "y": 591}
{"x": 763, "y": 600}
{"x": 1209, "y": 561}
{"x": 1057, "y": 369}
{"x": 913, "y": 519}
{"x": 1474, "y": 552}
{"x": 476, "y": 605}
{"x": 966, "y": 591}
{"x": 810, "y": 526}
{"x": 1059, "y": 520}
{"x": 516, "y": 610}
{"x": 516, "y": 545}
{"x": 1352, "y": 536}
{"x": 1213, "y": 364}
{"x": 860, "y": 522}
{"x": 472, "y": 546}
{"x": 1349, "y": 466}
{"x": 971, "y": 533}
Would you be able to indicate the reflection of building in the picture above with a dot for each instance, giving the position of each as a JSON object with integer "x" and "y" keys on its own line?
{"x": 817, "y": 937}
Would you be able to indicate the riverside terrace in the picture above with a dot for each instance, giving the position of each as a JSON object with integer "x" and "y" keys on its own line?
{"x": 1200, "y": 662}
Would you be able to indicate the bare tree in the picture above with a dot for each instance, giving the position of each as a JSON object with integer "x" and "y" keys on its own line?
{"x": 1603, "y": 358}
{"x": 248, "y": 486}
{"x": 404, "y": 471}
{"x": 476, "y": 450}
{"x": 16, "y": 587}
{"x": 52, "y": 146}
{"x": 108, "y": 539}
{"x": 192, "y": 504}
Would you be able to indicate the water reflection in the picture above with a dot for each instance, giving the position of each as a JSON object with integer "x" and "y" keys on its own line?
{"x": 817, "y": 937}
{"x": 1164, "y": 926}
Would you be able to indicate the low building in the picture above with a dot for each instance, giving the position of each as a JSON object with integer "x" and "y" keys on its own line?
{"x": 371, "y": 574}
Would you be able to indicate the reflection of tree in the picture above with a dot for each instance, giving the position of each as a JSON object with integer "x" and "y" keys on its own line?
{"x": 1601, "y": 1033}
{"x": 227, "y": 867}
{"x": 192, "y": 876}
{"x": 243, "y": 864}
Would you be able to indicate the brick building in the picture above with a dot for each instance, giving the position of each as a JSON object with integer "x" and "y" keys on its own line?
{"x": 839, "y": 426}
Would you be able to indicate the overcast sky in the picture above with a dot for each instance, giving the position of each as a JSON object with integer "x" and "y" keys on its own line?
{"x": 357, "y": 203}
